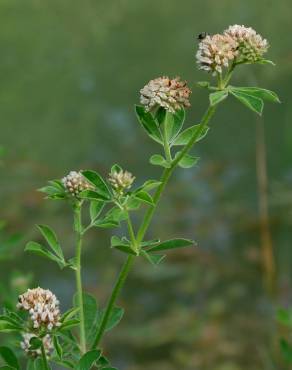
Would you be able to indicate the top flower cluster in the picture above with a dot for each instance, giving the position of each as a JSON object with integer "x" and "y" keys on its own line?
{"x": 238, "y": 44}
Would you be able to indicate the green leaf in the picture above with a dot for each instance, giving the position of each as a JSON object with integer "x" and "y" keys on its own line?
{"x": 154, "y": 259}
{"x": 186, "y": 135}
{"x": 149, "y": 185}
{"x": 52, "y": 240}
{"x": 204, "y": 84}
{"x": 65, "y": 363}
{"x": 95, "y": 209}
{"x": 90, "y": 311}
{"x": 93, "y": 195}
{"x": 252, "y": 102}
{"x": 173, "y": 124}
{"x": 258, "y": 93}
{"x": 88, "y": 359}
{"x": 187, "y": 160}
{"x": 106, "y": 224}
{"x": 115, "y": 317}
{"x": 9, "y": 357}
{"x": 217, "y": 97}
{"x": 116, "y": 214}
{"x": 149, "y": 123}
{"x": 144, "y": 197}
{"x": 122, "y": 245}
{"x": 284, "y": 316}
{"x": 39, "y": 250}
{"x": 35, "y": 343}
{"x": 172, "y": 244}
{"x": 286, "y": 350}
{"x": 30, "y": 364}
{"x": 58, "y": 347}
{"x": 7, "y": 368}
{"x": 265, "y": 61}
{"x": 8, "y": 327}
{"x": 158, "y": 160}
{"x": 69, "y": 324}
{"x": 100, "y": 185}
{"x": 69, "y": 314}
{"x": 116, "y": 168}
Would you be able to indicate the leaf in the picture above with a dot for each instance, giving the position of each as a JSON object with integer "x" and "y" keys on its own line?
{"x": 158, "y": 160}
{"x": 122, "y": 245}
{"x": 90, "y": 310}
{"x": 30, "y": 364}
{"x": 69, "y": 324}
{"x": 186, "y": 135}
{"x": 52, "y": 240}
{"x": 95, "y": 209}
{"x": 204, "y": 84}
{"x": 115, "y": 317}
{"x": 258, "y": 93}
{"x": 58, "y": 347}
{"x": 88, "y": 359}
{"x": 149, "y": 185}
{"x": 172, "y": 244}
{"x": 69, "y": 314}
{"x": 252, "y": 102}
{"x": 8, "y": 327}
{"x": 35, "y": 343}
{"x": 173, "y": 124}
{"x": 187, "y": 160}
{"x": 92, "y": 195}
{"x": 286, "y": 350}
{"x": 154, "y": 259}
{"x": 100, "y": 185}
{"x": 217, "y": 97}
{"x": 265, "y": 61}
{"x": 149, "y": 123}
{"x": 106, "y": 223}
{"x": 284, "y": 317}
{"x": 145, "y": 197}
{"x": 9, "y": 357}
{"x": 39, "y": 250}
{"x": 116, "y": 168}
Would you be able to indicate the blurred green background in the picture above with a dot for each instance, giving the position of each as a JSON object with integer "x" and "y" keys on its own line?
{"x": 70, "y": 74}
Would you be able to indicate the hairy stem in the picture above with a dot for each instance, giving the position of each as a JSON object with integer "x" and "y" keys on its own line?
{"x": 78, "y": 229}
{"x": 44, "y": 356}
{"x": 111, "y": 303}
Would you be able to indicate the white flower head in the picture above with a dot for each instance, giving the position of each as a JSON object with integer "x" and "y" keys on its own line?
{"x": 171, "y": 94}
{"x": 25, "y": 345}
{"x": 75, "y": 183}
{"x": 43, "y": 307}
{"x": 215, "y": 52}
{"x": 251, "y": 45}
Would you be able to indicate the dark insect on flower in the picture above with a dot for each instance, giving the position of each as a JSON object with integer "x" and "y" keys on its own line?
{"x": 202, "y": 35}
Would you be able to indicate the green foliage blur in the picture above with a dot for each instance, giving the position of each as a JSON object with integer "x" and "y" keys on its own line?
{"x": 70, "y": 75}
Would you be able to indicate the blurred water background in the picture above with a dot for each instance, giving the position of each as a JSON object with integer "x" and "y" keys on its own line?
{"x": 70, "y": 74}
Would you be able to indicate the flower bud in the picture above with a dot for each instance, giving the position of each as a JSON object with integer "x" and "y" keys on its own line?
{"x": 251, "y": 46}
{"x": 121, "y": 180}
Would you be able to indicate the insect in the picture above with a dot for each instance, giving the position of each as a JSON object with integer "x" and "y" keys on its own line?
{"x": 202, "y": 35}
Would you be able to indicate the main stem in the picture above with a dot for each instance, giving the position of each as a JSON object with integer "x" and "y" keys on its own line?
{"x": 44, "y": 356}
{"x": 78, "y": 229}
{"x": 146, "y": 222}
{"x": 111, "y": 303}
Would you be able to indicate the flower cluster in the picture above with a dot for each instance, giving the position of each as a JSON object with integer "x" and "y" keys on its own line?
{"x": 121, "y": 180}
{"x": 75, "y": 183}
{"x": 25, "y": 344}
{"x": 171, "y": 94}
{"x": 251, "y": 45}
{"x": 42, "y": 306}
{"x": 237, "y": 43}
{"x": 215, "y": 52}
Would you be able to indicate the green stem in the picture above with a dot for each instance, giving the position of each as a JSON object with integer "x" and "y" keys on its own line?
{"x": 165, "y": 141}
{"x": 146, "y": 222}
{"x": 44, "y": 356}
{"x": 111, "y": 303}
{"x": 132, "y": 234}
{"x": 168, "y": 172}
{"x": 78, "y": 229}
